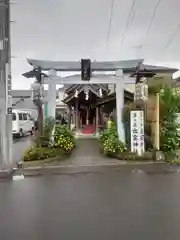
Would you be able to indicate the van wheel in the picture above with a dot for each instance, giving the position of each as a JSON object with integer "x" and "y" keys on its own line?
{"x": 32, "y": 131}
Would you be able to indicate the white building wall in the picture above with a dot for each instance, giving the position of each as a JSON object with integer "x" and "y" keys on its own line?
{"x": 129, "y": 87}
{"x": 61, "y": 96}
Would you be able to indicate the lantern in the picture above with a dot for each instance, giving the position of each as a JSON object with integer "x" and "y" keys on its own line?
{"x": 76, "y": 94}
{"x": 141, "y": 90}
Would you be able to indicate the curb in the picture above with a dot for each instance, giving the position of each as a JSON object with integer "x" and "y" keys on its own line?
{"x": 5, "y": 174}
{"x": 148, "y": 168}
{"x": 122, "y": 163}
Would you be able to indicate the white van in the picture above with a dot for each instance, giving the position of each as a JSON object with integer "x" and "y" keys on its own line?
{"x": 22, "y": 123}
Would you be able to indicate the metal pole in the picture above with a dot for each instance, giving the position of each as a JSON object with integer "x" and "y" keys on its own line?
{"x": 157, "y": 139}
{"x": 77, "y": 125}
{"x": 69, "y": 117}
{"x": 87, "y": 116}
{"x": 97, "y": 120}
{"x": 40, "y": 119}
{"x": 5, "y": 87}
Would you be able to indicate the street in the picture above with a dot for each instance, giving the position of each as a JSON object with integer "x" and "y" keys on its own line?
{"x": 19, "y": 147}
{"x": 103, "y": 206}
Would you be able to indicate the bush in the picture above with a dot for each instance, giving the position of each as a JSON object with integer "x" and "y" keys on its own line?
{"x": 107, "y": 133}
{"x": 175, "y": 162}
{"x": 45, "y": 148}
{"x": 41, "y": 153}
{"x": 113, "y": 145}
{"x": 64, "y": 143}
{"x": 64, "y": 131}
{"x": 64, "y": 138}
{"x": 169, "y": 106}
{"x": 110, "y": 143}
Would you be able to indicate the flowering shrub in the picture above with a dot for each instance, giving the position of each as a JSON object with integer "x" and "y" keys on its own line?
{"x": 64, "y": 142}
{"x": 113, "y": 145}
{"x": 110, "y": 143}
{"x": 107, "y": 133}
{"x": 64, "y": 139}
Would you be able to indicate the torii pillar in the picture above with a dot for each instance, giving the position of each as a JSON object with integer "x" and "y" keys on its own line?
{"x": 52, "y": 94}
{"x": 120, "y": 104}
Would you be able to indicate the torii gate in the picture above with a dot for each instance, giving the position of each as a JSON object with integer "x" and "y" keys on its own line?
{"x": 119, "y": 79}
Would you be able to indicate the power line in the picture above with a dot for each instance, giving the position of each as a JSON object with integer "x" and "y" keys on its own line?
{"x": 132, "y": 17}
{"x": 129, "y": 20}
{"x": 152, "y": 19}
{"x": 172, "y": 36}
{"x": 110, "y": 22}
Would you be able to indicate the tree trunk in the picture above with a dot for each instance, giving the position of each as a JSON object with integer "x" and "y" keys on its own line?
{"x": 40, "y": 119}
{"x": 40, "y": 123}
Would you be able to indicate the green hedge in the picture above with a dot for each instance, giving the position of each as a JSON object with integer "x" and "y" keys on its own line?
{"x": 109, "y": 141}
{"x": 64, "y": 143}
{"x": 64, "y": 138}
{"x": 41, "y": 153}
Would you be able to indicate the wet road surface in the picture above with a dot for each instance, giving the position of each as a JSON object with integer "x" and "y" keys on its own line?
{"x": 103, "y": 206}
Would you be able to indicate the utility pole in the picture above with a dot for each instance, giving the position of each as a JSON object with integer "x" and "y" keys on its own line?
{"x": 5, "y": 87}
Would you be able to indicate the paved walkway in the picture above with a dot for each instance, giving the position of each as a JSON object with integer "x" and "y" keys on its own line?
{"x": 87, "y": 153}
{"x": 85, "y": 158}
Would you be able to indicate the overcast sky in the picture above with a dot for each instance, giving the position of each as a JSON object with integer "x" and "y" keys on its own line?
{"x": 75, "y": 29}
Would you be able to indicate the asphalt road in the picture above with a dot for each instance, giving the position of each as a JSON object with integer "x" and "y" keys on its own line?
{"x": 103, "y": 206}
{"x": 19, "y": 147}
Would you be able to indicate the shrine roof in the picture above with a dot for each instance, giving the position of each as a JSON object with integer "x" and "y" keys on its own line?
{"x": 76, "y": 65}
{"x": 128, "y": 66}
{"x": 158, "y": 69}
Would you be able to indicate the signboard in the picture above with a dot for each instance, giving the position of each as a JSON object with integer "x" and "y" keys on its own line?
{"x": 137, "y": 131}
{"x": 85, "y": 69}
{"x": 8, "y": 90}
{"x": 9, "y": 111}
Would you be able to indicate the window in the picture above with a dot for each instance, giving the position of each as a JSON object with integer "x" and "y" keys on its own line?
{"x": 28, "y": 117}
{"x": 14, "y": 117}
{"x": 25, "y": 117}
{"x": 20, "y": 116}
